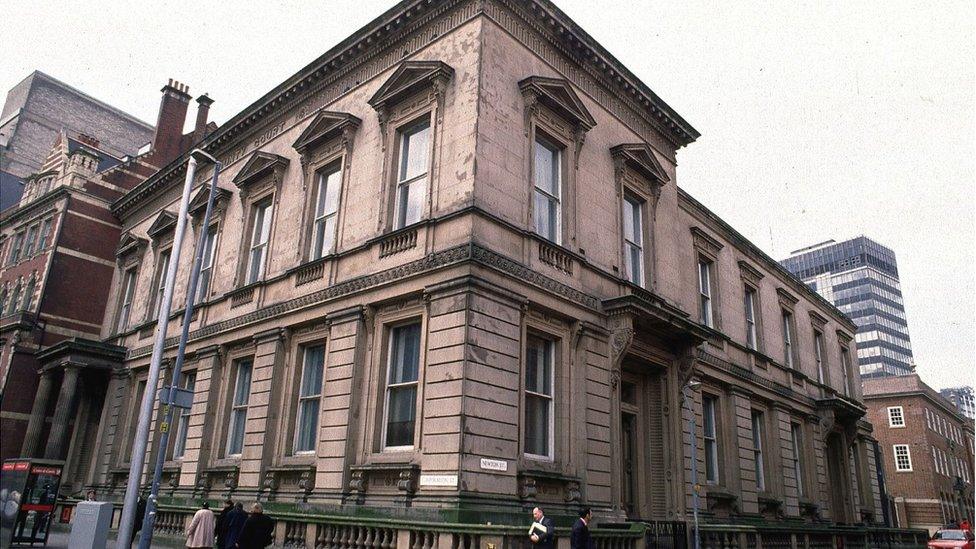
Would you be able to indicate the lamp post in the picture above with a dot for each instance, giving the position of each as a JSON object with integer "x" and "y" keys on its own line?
{"x": 693, "y": 439}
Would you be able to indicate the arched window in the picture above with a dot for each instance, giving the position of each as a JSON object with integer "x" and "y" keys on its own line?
{"x": 29, "y": 292}
{"x": 3, "y": 298}
{"x": 15, "y": 298}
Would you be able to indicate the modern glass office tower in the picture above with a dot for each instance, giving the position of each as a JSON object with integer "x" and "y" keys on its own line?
{"x": 963, "y": 398}
{"x": 860, "y": 277}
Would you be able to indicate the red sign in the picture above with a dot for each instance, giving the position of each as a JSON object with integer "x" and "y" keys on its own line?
{"x": 16, "y": 465}
{"x": 66, "y": 514}
{"x": 37, "y": 507}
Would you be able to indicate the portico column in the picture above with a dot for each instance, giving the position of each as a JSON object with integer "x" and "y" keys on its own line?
{"x": 32, "y": 440}
{"x": 57, "y": 441}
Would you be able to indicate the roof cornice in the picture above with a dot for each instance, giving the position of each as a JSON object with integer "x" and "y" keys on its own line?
{"x": 344, "y": 56}
{"x": 763, "y": 258}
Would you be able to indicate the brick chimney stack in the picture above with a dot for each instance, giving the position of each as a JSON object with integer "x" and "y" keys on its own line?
{"x": 169, "y": 127}
{"x": 203, "y": 112}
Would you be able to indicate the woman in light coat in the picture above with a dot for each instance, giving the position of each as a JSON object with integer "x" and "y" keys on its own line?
{"x": 200, "y": 534}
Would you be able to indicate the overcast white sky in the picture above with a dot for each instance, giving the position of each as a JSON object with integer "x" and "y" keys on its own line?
{"x": 819, "y": 119}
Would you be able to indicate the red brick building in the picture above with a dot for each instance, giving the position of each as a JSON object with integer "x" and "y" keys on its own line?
{"x": 57, "y": 257}
{"x": 927, "y": 448}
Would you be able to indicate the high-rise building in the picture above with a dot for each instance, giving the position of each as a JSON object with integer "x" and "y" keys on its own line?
{"x": 860, "y": 277}
{"x": 962, "y": 397}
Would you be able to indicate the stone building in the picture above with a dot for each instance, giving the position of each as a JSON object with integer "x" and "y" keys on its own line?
{"x": 451, "y": 276}
{"x": 928, "y": 451}
{"x": 40, "y": 107}
{"x": 57, "y": 258}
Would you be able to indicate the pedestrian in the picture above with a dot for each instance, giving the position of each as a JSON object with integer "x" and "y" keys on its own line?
{"x": 90, "y": 495}
{"x": 258, "y": 531}
{"x": 200, "y": 534}
{"x": 542, "y": 533}
{"x": 580, "y": 538}
{"x": 140, "y": 516}
{"x": 221, "y": 527}
{"x": 235, "y": 525}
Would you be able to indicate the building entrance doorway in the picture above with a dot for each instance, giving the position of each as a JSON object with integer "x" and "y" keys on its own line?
{"x": 642, "y": 445}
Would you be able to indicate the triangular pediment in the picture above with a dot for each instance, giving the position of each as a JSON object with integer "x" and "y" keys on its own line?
{"x": 198, "y": 204}
{"x": 559, "y": 96}
{"x": 129, "y": 243}
{"x": 410, "y": 77}
{"x": 164, "y": 222}
{"x": 326, "y": 125}
{"x": 260, "y": 164}
{"x": 640, "y": 158}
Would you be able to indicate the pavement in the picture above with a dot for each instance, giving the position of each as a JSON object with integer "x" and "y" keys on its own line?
{"x": 58, "y": 539}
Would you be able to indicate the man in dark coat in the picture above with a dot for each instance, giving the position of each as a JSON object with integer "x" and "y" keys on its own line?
{"x": 258, "y": 531}
{"x": 222, "y": 520}
{"x": 140, "y": 516}
{"x": 542, "y": 533}
{"x": 580, "y": 538}
{"x": 236, "y": 518}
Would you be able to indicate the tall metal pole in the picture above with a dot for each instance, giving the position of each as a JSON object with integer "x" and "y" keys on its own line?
{"x": 693, "y": 437}
{"x": 145, "y": 539}
{"x": 138, "y": 456}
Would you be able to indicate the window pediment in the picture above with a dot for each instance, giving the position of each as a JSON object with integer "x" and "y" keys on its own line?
{"x": 164, "y": 223}
{"x": 557, "y": 95}
{"x": 258, "y": 166}
{"x": 325, "y": 126}
{"x": 786, "y": 299}
{"x": 410, "y": 77}
{"x": 129, "y": 245}
{"x": 750, "y": 273}
{"x": 640, "y": 158}
{"x": 198, "y": 204}
{"x": 705, "y": 242}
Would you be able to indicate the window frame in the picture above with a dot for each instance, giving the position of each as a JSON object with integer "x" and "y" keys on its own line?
{"x": 907, "y": 455}
{"x": 551, "y": 344}
{"x": 123, "y": 313}
{"x": 750, "y": 302}
{"x": 402, "y": 135}
{"x": 30, "y": 241}
{"x": 820, "y": 356}
{"x": 796, "y": 442}
{"x": 265, "y": 205}
{"x": 234, "y": 407}
{"x": 207, "y": 268}
{"x": 183, "y": 418}
{"x": 160, "y": 269}
{"x": 633, "y": 204}
{"x": 757, "y": 419}
{"x": 900, "y": 416}
{"x": 706, "y": 308}
{"x": 558, "y": 150}
{"x": 417, "y": 383}
{"x": 710, "y": 441}
{"x": 15, "y": 247}
{"x": 317, "y": 250}
{"x": 788, "y": 327}
{"x": 301, "y": 399}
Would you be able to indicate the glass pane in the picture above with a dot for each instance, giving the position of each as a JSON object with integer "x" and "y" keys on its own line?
{"x": 703, "y": 283}
{"x": 538, "y": 368}
{"x": 710, "y": 465}
{"x": 243, "y": 390}
{"x": 330, "y": 200}
{"x": 635, "y": 264}
{"x": 236, "y": 441}
{"x": 256, "y": 230}
{"x": 308, "y": 419}
{"x": 312, "y": 372}
{"x": 412, "y": 202}
{"x": 266, "y": 223}
{"x": 546, "y": 168}
{"x": 404, "y": 354}
{"x": 708, "y": 420}
{"x": 328, "y": 234}
{"x": 536, "y": 425}
{"x": 545, "y": 216}
{"x": 401, "y": 416}
{"x": 415, "y": 151}
{"x": 257, "y": 265}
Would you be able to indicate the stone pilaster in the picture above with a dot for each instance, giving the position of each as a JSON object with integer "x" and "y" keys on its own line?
{"x": 107, "y": 426}
{"x": 263, "y": 409}
{"x": 57, "y": 441}
{"x": 199, "y": 430}
{"x": 341, "y": 400}
{"x": 819, "y": 492}
{"x": 743, "y": 457}
{"x": 32, "y": 440}
{"x": 783, "y": 474}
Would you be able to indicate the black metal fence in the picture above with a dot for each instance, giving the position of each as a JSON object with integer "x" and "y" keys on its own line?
{"x": 663, "y": 534}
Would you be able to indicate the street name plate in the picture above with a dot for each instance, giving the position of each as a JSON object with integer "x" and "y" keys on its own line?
{"x": 494, "y": 464}
{"x": 449, "y": 481}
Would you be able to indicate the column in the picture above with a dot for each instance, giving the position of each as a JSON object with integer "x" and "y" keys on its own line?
{"x": 32, "y": 440}
{"x": 57, "y": 441}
